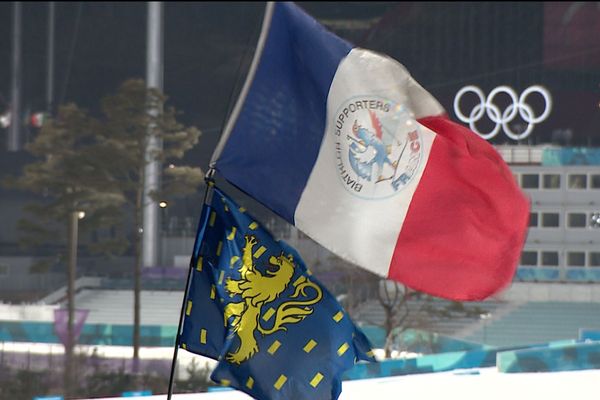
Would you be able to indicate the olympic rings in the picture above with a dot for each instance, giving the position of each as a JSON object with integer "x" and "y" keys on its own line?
{"x": 502, "y": 119}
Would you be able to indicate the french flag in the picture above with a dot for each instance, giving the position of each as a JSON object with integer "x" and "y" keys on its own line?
{"x": 344, "y": 144}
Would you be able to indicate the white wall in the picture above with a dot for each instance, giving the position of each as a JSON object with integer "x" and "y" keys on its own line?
{"x": 569, "y": 292}
{"x": 33, "y": 312}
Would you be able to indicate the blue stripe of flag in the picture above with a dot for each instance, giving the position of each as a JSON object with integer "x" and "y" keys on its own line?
{"x": 276, "y": 139}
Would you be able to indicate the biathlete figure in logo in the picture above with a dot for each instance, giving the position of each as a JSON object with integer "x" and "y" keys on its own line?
{"x": 368, "y": 150}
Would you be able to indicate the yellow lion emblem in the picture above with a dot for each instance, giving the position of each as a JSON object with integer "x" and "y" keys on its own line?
{"x": 257, "y": 290}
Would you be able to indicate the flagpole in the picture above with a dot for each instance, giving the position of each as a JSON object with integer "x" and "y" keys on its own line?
{"x": 210, "y": 184}
{"x": 249, "y": 78}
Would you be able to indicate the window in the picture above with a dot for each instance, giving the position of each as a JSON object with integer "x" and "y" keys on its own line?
{"x": 529, "y": 258}
{"x": 578, "y": 181}
{"x": 550, "y": 220}
{"x": 533, "y": 219}
{"x": 577, "y": 220}
{"x": 550, "y": 258}
{"x": 551, "y": 181}
{"x": 530, "y": 181}
{"x": 595, "y": 181}
{"x": 594, "y": 258}
{"x": 576, "y": 259}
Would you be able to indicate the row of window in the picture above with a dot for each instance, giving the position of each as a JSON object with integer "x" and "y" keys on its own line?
{"x": 551, "y": 219}
{"x": 550, "y": 258}
{"x": 578, "y": 181}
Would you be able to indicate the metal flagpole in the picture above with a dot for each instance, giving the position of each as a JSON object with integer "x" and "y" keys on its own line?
{"x": 154, "y": 80}
{"x": 210, "y": 184}
{"x": 150, "y": 218}
{"x": 240, "y": 101}
{"x": 14, "y": 132}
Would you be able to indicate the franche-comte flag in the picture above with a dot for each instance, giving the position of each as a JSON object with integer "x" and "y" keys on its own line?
{"x": 253, "y": 305}
{"x": 345, "y": 145}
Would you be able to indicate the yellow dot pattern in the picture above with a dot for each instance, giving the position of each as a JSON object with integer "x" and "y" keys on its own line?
{"x": 250, "y": 382}
{"x": 280, "y": 382}
{"x": 342, "y": 349}
{"x": 231, "y": 235}
{"x": 270, "y": 312}
{"x": 314, "y": 382}
{"x": 274, "y": 347}
{"x": 338, "y": 317}
{"x": 309, "y": 346}
{"x": 261, "y": 250}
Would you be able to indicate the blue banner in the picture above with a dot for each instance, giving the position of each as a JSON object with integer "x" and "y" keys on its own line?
{"x": 571, "y": 156}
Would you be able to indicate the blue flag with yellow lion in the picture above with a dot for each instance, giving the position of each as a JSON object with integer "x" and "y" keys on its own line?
{"x": 253, "y": 306}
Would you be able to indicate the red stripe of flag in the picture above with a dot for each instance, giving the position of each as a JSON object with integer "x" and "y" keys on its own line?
{"x": 467, "y": 221}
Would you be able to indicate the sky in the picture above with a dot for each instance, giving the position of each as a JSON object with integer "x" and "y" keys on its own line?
{"x": 98, "y": 46}
{"x": 207, "y": 49}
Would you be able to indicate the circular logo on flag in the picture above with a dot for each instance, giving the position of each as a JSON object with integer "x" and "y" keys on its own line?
{"x": 378, "y": 146}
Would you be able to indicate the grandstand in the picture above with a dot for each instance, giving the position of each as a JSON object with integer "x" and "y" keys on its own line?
{"x": 538, "y": 322}
{"x": 517, "y": 318}
{"x": 115, "y": 307}
{"x": 435, "y": 315}
{"x": 527, "y": 313}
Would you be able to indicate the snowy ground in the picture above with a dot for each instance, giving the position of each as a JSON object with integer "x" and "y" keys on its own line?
{"x": 480, "y": 384}
{"x": 473, "y": 384}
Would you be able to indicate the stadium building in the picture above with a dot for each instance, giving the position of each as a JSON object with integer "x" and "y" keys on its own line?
{"x": 524, "y": 75}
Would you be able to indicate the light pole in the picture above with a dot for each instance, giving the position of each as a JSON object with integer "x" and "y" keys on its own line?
{"x": 50, "y": 60}
{"x": 390, "y": 293}
{"x": 164, "y": 218}
{"x": 485, "y": 317}
{"x": 14, "y": 132}
{"x": 154, "y": 80}
{"x": 74, "y": 218}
